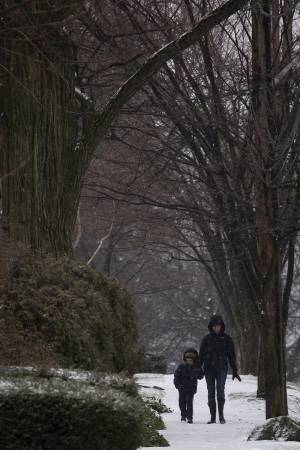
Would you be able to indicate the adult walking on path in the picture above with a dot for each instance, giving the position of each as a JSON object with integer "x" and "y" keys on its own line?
{"x": 217, "y": 348}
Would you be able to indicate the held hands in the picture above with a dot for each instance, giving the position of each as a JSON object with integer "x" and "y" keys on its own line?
{"x": 200, "y": 374}
{"x": 236, "y": 375}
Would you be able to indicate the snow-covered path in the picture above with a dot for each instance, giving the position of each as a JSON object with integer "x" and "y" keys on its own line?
{"x": 242, "y": 412}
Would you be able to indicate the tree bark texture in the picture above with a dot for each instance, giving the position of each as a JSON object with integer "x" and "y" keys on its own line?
{"x": 249, "y": 345}
{"x": 268, "y": 246}
{"x": 261, "y": 379}
{"x": 40, "y": 161}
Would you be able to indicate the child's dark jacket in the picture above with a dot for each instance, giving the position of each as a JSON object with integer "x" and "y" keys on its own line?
{"x": 186, "y": 376}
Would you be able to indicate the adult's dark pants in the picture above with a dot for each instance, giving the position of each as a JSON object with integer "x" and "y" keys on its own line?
{"x": 186, "y": 404}
{"x": 215, "y": 381}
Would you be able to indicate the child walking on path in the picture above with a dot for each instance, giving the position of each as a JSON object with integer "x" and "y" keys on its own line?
{"x": 186, "y": 379}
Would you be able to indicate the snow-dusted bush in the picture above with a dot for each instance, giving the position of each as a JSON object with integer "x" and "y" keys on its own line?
{"x": 60, "y": 409}
{"x": 282, "y": 428}
{"x": 151, "y": 437}
{"x": 70, "y": 410}
{"x": 99, "y": 379}
{"x": 156, "y": 404}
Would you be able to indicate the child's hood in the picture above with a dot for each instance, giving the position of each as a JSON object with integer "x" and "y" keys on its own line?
{"x": 190, "y": 353}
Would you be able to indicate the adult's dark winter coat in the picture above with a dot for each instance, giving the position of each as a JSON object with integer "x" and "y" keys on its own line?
{"x": 217, "y": 349}
{"x": 186, "y": 376}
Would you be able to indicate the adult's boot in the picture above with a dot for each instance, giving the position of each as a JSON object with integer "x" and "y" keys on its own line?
{"x": 213, "y": 410}
{"x": 221, "y": 411}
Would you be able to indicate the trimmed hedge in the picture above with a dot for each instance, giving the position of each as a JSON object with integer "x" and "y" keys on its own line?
{"x": 62, "y": 313}
{"x": 65, "y": 410}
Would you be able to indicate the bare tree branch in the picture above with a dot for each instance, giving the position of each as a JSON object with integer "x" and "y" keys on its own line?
{"x": 156, "y": 61}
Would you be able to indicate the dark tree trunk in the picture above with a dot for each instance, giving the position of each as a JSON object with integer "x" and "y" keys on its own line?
{"x": 249, "y": 345}
{"x": 261, "y": 379}
{"x": 268, "y": 243}
{"x": 41, "y": 175}
{"x": 273, "y": 346}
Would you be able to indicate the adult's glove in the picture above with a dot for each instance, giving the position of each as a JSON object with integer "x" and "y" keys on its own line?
{"x": 236, "y": 375}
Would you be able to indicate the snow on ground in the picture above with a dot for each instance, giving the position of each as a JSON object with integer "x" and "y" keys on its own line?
{"x": 242, "y": 412}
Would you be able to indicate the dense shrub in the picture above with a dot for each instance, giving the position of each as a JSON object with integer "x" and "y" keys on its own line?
{"x": 152, "y": 423}
{"x": 62, "y": 313}
{"x": 69, "y": 410}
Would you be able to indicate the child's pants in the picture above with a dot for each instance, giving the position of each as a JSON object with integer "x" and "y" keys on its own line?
{"x": 186, "y": 404}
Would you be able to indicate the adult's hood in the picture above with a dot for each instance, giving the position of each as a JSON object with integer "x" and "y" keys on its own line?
{"x": 190, "y": 352}
{"x": 216, "y": 320}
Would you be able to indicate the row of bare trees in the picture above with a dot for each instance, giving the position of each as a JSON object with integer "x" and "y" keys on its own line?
{"x": 222, "y": 154}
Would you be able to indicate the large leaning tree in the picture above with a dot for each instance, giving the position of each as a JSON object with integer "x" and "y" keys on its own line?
{"x": 50, "y": 132}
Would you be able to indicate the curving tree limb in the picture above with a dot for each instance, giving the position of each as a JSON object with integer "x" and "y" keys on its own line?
{"x": 155, "y": 62}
